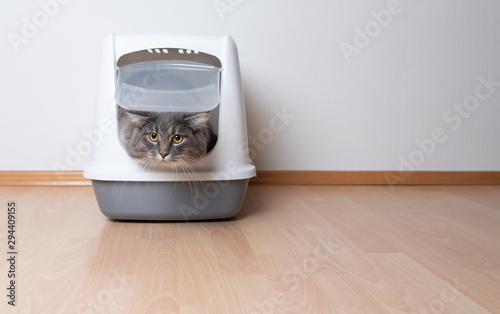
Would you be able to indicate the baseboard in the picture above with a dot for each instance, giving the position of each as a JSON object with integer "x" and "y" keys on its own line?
{"x": 75, "y": 178}
{"x": 43, "y": 178}
{"x": 377, "y": 177}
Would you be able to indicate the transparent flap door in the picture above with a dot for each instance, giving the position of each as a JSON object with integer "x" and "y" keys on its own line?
{"x": 168, "y": 85}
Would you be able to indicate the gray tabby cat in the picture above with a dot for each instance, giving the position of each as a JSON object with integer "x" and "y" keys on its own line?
{"x": 156, "y": 139}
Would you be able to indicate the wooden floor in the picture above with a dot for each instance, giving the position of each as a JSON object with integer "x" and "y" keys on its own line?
{"x": 292, "y": 249}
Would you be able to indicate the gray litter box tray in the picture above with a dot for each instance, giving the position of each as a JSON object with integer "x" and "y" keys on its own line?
{"x": 178, "y": 201}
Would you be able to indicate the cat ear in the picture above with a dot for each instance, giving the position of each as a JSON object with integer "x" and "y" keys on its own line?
{"x": 136, "y": 119}
{"x": 198, "y": 121}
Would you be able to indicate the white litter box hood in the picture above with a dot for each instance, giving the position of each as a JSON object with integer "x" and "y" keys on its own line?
{"x": 214, "y": 60}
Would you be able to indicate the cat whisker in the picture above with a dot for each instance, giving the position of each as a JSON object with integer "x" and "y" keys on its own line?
{"x": 150, "y": 165}
{"x": 190, "y": 166}
{"x": 194, "y": 175}
{"x": 145, "y": 162}
{"x": 197, "y": 160}
{"x": 186, "y": 170}
{"x": 176, "y": 179}
{"x": 194, "y": 179}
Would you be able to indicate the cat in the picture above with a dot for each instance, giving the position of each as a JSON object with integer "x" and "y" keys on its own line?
{"x": 159, "y": 139}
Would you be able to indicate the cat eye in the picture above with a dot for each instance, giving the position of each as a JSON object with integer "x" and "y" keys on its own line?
{"x": 153, "y": 137}
{"x": 177, "y": 138}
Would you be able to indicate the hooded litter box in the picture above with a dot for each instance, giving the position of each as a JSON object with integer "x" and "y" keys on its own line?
{"x": 170, "y": 73}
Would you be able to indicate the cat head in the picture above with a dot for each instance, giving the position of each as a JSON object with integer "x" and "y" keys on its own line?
{"x": 155, "y": 139}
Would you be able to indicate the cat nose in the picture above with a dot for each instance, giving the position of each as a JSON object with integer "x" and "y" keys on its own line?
{"x": 163, "y": 155}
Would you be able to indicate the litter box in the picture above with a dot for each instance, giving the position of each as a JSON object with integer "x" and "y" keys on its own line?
{"x": 170, "y": 73}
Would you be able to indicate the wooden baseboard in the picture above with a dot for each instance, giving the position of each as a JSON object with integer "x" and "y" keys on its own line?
{"x": 377, "y": 177}
{"x": 75, "y": 178}
{"x": 43, "y": 178}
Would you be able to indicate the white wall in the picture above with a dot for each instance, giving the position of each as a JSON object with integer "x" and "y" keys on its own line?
{"x": 360, "y": 115}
